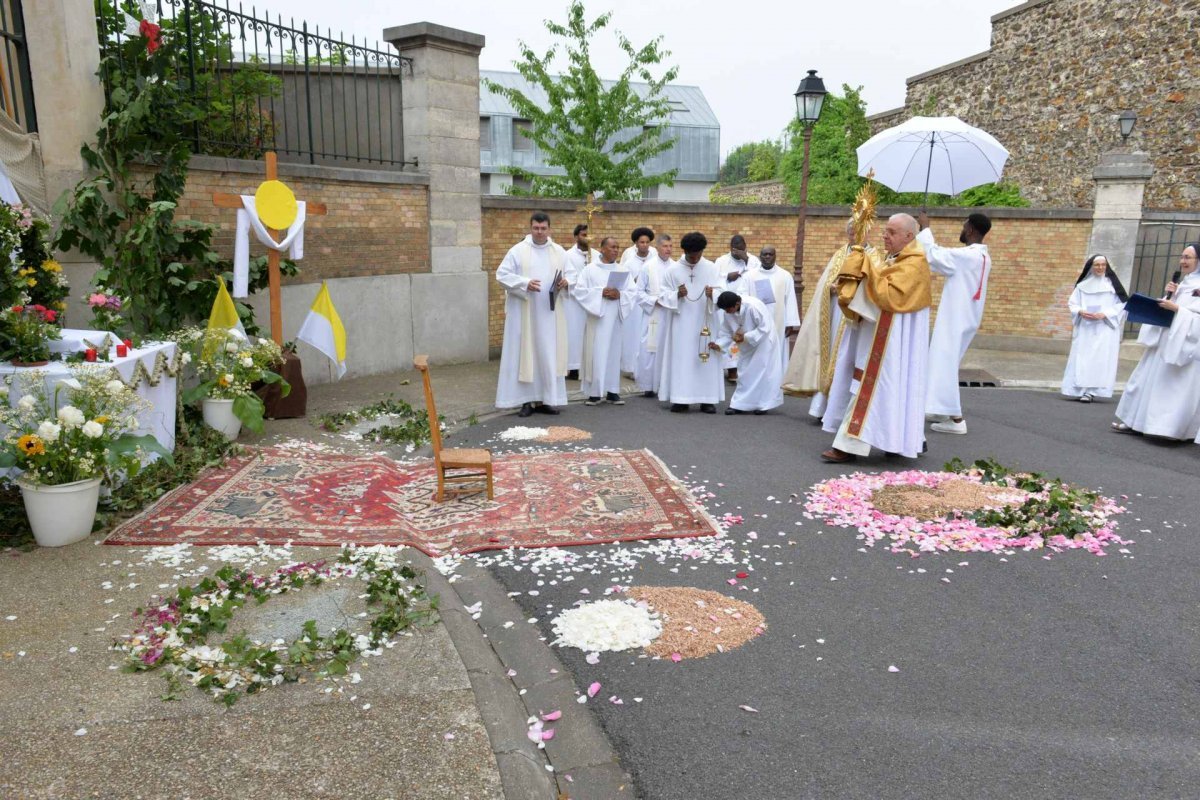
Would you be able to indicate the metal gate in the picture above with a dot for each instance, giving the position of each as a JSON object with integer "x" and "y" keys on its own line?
{"x": 1156, "y": 257}
{"x": 16, "y": 81}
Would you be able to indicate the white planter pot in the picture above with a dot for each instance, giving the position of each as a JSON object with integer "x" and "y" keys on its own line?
{"x": 61, "y": 514}
{"x": 218, "y": 414}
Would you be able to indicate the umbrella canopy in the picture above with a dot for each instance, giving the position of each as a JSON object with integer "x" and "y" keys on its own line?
{"x": 932, "y": 154}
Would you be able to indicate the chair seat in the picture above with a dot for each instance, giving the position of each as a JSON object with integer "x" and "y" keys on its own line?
{"x": 465, "y": 457}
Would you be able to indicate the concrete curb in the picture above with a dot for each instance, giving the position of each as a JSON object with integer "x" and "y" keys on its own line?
{"x": 541, "y": 683}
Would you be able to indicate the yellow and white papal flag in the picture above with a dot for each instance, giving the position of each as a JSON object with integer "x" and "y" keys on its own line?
{"x": 323, "y": 330}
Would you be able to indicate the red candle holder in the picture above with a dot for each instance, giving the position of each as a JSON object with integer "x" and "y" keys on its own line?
{"x": 122, "y": 350}
{"x": 89, "y": 354}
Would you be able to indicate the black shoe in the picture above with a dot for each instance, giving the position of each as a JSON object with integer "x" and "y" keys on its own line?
{"x": 545, "y": 409}
{"x": 759, "y": 412}
{"x": 573, "y": 375}
{"x": 649, "y": 394}
{"x": 593, "y": 401}
{"x": 526, "y": 410}
{"x": 679, "y": 408}
{"x": 708, "y": 408}
{"x": 615, "y": 399}
{"x": 729, "y": 412}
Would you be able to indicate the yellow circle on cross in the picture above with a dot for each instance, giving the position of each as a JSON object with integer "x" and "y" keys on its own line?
{"x": 276, "y": 205}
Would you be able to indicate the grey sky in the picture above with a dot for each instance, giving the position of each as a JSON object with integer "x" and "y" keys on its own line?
{"x": 747, "y": 56}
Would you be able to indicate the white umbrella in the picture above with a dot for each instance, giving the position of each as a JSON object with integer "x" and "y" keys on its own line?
{"x": 932, "y": 154}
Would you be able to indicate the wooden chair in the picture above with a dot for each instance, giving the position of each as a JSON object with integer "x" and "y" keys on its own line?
{"x": 450, "y": 462}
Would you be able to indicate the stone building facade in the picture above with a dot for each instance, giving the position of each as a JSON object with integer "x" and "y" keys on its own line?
{"x": 1055, "y": 78}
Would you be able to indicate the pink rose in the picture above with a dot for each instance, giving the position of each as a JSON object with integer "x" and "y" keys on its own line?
{"x": 97, "y": 299}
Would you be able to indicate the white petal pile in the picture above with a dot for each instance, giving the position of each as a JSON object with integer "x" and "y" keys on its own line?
{"x": 520, "y": 433}
{"x": 607, "y": 625}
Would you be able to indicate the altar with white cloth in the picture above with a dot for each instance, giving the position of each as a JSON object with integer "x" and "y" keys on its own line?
{"x": 150, "y": 370}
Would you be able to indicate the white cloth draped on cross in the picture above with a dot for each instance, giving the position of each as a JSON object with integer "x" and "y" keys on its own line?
{"x": 247, "y": 220}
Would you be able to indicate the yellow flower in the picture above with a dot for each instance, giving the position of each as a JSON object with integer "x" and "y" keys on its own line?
{"x": 60, "y": 305}
{"x": 31, "y": 281}
{"x": 222, "y": 382}
{"x": 50, "y": 265}
{"x": 102, "y": 419}
{"x": 24, "y": 271}
{"x": 31, "y": 445}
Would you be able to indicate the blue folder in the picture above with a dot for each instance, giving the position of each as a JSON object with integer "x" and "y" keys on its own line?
{"x": 1147, "y": 311}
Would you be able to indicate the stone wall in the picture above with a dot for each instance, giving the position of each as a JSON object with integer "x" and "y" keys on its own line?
{"x": 757, "y": 192}
{"x": 1037, "y": 253}
{"x": 1053, "y": 82}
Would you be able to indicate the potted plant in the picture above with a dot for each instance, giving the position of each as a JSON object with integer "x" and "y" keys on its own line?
{"x": 67, "y": 441}
{"x": 26, "y": 333}
{"x": 229, "y": 364}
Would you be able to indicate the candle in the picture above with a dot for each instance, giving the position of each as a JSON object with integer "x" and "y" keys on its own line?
{"x": 122, "y": 350}
{"x": 89, "y": 354}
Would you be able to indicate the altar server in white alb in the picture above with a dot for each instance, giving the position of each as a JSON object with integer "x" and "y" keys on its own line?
{"x": 653, "y": 313}
{"x": 781, "y": 301}
{"x": 609, "y": 308}
{"x": 533, "y": 358}
{"x": 1162, "y": 396}
{"x": 635, "y": 260}
{"x": 887, "y": 408}
{"x": 1098, "y": 311}
{"x": 578, "y": 257}
{"x": 734, "y": 265}
{"x": 959, "y": 313}
{"x": 750, "y": 324}
{"x": 689, "y": 294}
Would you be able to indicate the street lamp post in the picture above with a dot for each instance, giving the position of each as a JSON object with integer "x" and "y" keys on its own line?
{"x": 809, "y": 99}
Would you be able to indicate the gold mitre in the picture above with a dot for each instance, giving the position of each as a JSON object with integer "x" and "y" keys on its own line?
{"x": 862, "y": 213}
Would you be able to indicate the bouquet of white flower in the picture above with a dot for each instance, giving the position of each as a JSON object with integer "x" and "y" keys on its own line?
{"x": 229, "y": 364}
{"x": 81, "y": 429}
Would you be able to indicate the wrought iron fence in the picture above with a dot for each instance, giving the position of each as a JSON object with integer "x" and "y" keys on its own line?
{"x": 1156, "y": 257}
{"x": 16, "y": 81}
{"x": 266, "y": 84}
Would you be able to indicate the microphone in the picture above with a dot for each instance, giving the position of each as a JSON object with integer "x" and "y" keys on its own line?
{"x": 1175, "y": 276}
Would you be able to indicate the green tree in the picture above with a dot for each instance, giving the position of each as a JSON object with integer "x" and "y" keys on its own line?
{"x": 833, "y": 161}
{"x": 583, "y": 125}
{"x": 764, "y": 166}
{"x": 752, "y": 161}
{"x": 736, "y": 166}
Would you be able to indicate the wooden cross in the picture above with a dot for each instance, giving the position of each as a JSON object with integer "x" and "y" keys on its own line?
{"x": 590, "y": 208}
{"x": 233, "y": 201}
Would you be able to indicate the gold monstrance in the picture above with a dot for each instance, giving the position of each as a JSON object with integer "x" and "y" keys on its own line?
{"x": 862, "y": 213}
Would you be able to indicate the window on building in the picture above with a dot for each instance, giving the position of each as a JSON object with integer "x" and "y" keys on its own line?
{"x": 521, "y": 142}
{"x": 522, "y": 184}
{"x": 485, "y": 133}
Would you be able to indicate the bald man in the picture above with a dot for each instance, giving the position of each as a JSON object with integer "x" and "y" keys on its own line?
{"x": 891, "y": 295}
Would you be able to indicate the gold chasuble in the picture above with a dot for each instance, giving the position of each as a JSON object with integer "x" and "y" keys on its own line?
{"x": 900, "y": 284}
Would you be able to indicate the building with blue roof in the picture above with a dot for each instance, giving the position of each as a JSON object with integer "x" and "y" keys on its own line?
{"x": 692, "y": 123}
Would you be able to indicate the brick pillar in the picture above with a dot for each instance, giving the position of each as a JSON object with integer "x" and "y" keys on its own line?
{"x": 1120, "y": 185}
{"x": 441, "y": 130}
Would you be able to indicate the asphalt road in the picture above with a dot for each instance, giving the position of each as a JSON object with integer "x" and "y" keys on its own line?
{"x": 1073, "y": 676}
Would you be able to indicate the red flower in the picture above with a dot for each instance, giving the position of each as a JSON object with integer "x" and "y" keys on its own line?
{"x": 38, "y": 307}
{"x": 743, "y": 575}
{"x": 50, "y": 316}
{"x": 18, "y": 309}
{"x": 151, "y": 32}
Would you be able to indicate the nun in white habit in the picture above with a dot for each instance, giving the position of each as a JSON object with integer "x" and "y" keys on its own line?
{"x": 1098, "y": 311}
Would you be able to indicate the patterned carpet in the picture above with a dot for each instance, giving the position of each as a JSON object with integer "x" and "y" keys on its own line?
{"x": 543, "y": 500}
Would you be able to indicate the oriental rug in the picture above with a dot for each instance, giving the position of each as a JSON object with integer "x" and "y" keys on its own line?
{"x": 277, "y": 496}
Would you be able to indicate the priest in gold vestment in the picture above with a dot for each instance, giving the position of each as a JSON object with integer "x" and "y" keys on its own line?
{"x": 892, "y": 296}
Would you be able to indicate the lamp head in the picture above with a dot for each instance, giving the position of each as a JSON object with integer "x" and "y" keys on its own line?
{"x": 810, "y": 96}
